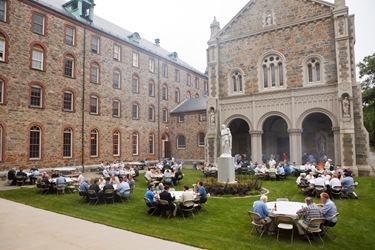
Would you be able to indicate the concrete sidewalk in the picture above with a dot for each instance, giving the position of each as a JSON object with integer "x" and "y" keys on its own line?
{"x": 25, "y": 227}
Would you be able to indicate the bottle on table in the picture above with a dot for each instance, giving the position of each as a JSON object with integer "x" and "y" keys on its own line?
{"x": 275, "y": 207}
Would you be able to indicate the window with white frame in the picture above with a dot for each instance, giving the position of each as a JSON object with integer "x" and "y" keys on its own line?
{"x": 135, "y": 143}
{"x": 1, "y": 143}
{"x": 69, "y": 66}
{"x": 2, "y": 89}
{"x": 70, "y": 35}
{"x": 151, "y": 147}
{"x": 181, "y": 142}
{"x": 165, "y": 70}
{"x": 36, "y": 95}
{"x": 135, "y": 59}
{"x": 116, "y": 79}
{"x": 37, "y": 58}
{"x": 116, "y": 108}
{"x": 35, "y": 146}
{"x": 95, "y": 44}
{"x": 314, "y": 74}
{"x": 202, "y": 117}
{"x": 68, "y": 143}
{"x": 3, "y": 9}
{"x": 181, "y": 118}
{"x": 177, "y": 75}
{"x": 201, "y": 140}
{"x": 236, "y": 81}
{"x": 151, "y": 65}
{"x": 188, "y": 80}
{"x": 116, "y": 143}
{"x": 165, "y": 115}
{"x": 135, "y": 111}
{"x": 135, "y": 85}
{"x": 94, "y": 105}
{"x": 38, "y": 23}
{"x": 151, "y": 88}
{"x": 196, "y": 82}
{"x": 2, "y": 48}
{"x": 164, "y": 92}
{"x": 94, "y": 143}
{"x": 117, "y": 53}
{"x": 151, "y": 113}
{"x": 94, "y": 73}
{"x": 272, "y": 72}
{"x": 68, "y": 101}
{"x": 177, "y": 96}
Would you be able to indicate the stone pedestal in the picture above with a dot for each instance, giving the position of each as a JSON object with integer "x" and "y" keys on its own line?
{"x": 225, "y": 169}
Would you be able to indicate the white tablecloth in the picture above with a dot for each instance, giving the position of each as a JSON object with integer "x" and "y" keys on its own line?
{"x": 285, "y": 207}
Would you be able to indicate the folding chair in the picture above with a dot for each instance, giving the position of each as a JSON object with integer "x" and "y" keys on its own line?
{"x": 92, "y": 196}
{"x": 284, "y": 223}
{"x": 164, "y": 206}
{"x": 313, "y": 229}
{"x": 187, "y": 206}
{"x": 260, "y": 228}
{"x": 109, "y": 194}
{"x": 328, "y": 228}
{"x": 152, "y": 207}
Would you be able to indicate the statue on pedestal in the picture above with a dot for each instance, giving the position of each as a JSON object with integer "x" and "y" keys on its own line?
{"x": 226, "y": 141}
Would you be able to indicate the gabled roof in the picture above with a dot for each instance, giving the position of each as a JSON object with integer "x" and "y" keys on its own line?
{"x": 251, "y": 2}
{"x": 116, "y": 31}
{"x": 191, "y": 105}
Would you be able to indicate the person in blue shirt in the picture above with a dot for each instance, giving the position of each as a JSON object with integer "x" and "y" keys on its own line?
{"x": 260, "y": 208}
{"x": 346, "y": 182}
{"x": 84, "y": 187}
{"x": 328, "y": 209}
{"x": 124, "y": 185}
{"x": 60, "y": 180}
{"x": 201, "y": 192}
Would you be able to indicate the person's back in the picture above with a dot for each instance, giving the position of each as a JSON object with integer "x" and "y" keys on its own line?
{"x": 108, "y": 186}
{"x": 261, "y": 208}
{"x": 84, "y": 187}
{"x": 60, "y": 180}
{"x": 335, "y": 182}
{"x": 123, "y": 188}
{"x": 319, "y": 181}
{"x": 346, "y": 183}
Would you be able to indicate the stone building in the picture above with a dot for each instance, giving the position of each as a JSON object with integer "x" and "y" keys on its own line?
{"x": 76, "y": 89}
{"x": 282, "y": 78}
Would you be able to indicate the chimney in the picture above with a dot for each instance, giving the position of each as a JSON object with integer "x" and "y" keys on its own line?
{"x": 157, "y": 41}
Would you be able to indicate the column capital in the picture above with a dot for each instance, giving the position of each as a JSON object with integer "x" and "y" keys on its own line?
{"x": 256, "y": 132}
{"x": 336, "y": 129}
{"x": 295, "y": 131}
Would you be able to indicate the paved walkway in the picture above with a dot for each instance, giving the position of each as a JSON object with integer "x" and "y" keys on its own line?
{"x": 25, "y": 227}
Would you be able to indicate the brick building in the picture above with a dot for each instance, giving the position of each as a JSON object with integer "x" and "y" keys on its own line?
{"x": 76, "y": 89}
{"x": 282, "y": 78}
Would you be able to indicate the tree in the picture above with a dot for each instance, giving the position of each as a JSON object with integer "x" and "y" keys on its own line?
{"x": 367, "y": 73}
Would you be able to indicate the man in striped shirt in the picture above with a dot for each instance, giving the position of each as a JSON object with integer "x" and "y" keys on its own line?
{"x": 307, "y": 213}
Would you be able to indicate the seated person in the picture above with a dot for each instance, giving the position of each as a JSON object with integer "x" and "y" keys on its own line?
{"x": 326, "y": 176}
{"x": 310, "y": 176}
{"x": 160, "y": 188}
{"x": 346, "y": 183}
{"x": 34, "y": 175}
{"x": 114, "y": 180}
{"x": 47, "y": 182}
{"x": 12, "y": 176}
{"x": 131, "y": 181}
{"x": 80, "y": 178}
{"x": 260, "y": 208}
{"x": 187, "y": 195}
{"x": 306, "y": 214}
{"x": 320, "y": 182}
{"x": 335, "y": 182}
{"x": 55, "y": 174}
{"x": 105, "y": 173}
{"x": 328, "y": 209}
{"x": 95, "y": 187}
{"x": 108, "y": 186}
{"x": 152, "y": 196}
{"x": 200, "y": 192}
{"x": 84, "y": 186}
{"x": 123, "y": 190}
{"x": 287, "y": 169}
{"x": 148, "y": 175}
{"x": 21, "y": 173}
{"x": 60, "y": 180}
{"x": 165, "y": 195}
{"x": 177, "y": 176}
{"x": 168, "y": 177}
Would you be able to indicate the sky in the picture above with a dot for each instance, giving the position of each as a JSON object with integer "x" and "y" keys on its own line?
{"x": 184, "y": 26}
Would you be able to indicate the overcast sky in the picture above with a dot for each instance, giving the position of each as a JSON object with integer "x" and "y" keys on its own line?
{"x": 184, "y": 26}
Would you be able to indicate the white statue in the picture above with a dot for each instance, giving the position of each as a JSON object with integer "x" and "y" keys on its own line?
{"x": 212, "y": 117}
{"x": 346, "y": 106}
{"x": 226, "y": 141}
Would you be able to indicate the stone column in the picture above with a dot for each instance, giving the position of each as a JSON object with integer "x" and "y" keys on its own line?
{"x": 256, "y": 145}
{"x": 295, "y": 145}
{"x": 337, "y": 145}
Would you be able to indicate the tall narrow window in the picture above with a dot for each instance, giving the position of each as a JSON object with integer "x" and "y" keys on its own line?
{"x": 164, "y": 92}
{"x": 165, "y": 115}
{"x": 151, "y": 65}
{"x": 201, "y": 140}
{"x": 135, "y": 85}
{"x": 116, "y": 108}
{"x": 2, "y": 87}
{"x": 314, "y": 71}
{"x": 94, "y": 105}
{"x": 37, "y": 58}
{"x": 135, "y": 143}
{"x": 177, "y": 75}
{"x": 273, "y": 76}
{"x": 151, "y": 113}
{"x": 181, "y": 118}
{"x": 116, "y": 143}
{"x": 3, "y": 9}
{"x": 70, "y": 35}
{"x": 69, "y": 66}
{"x": 95, "y": 44}
{"x": 68, "y": 101}
{"x": 188, "y": 79}
{"x": 135, "y": 111}
{"x": 265, "y": 77}
{"x": 68, "y": 143}
{"x": 35, "y": 143}
{"x": 1, "y": 143}
{"x": 94, "y": 147}
{"x": 36, "y": 97}
{"x": 165, "y": 70}
{"x": 273, "y": 72}
{"x": 197, "y": 83}
{"x": 2, "y": 48}
{"x": 116, "y": 79}
{"x": 151, "y": 141}
{"x": 94, "y": 73}
{"x": 181, "y": 142}
{"x": 135, "y": 59}
{"x": 151, "y": 88}
{"x": 38, "y": 23}
{"x": 205, "y": 87}
{"x": 177, "y": 96}
{"x": 237, "y": 84}
{"x": 117, "y": 53}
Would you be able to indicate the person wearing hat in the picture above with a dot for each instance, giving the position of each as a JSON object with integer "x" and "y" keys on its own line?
{"x": 328, "y": 164}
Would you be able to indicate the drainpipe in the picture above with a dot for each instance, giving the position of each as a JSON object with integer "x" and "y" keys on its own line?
{"x": 159, "y": 140}
{"x": 83, "y": 100}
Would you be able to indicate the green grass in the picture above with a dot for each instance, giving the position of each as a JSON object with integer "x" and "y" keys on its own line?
{"x": 225, "y": 226}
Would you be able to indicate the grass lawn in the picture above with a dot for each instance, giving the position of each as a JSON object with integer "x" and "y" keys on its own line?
{"x": 225, "y": 226}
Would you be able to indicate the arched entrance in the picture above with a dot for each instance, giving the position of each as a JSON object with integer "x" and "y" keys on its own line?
{"x": 241, "y": 140}
{"x": 165, "y": 146}
{"x": 318, "y": 137}
{"x": 275, "y": 138}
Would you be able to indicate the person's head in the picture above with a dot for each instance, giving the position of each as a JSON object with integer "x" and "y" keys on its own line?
{"x": 161, "y": 186}
{"x": 186, "y": 187}
{"x": 113, "y": 177}
{"x": 166, "y": 188}
{"x": 129, "y": 176}
{"x": 324, "y": 196}
{"x": 199, "y": 183}
{"x": 96, "y": 181}
{"x": 264, "y": 198}
{"x": 151, "y": 187}
{"x": 87, "y": 180}
{"x": 309, "y": 200}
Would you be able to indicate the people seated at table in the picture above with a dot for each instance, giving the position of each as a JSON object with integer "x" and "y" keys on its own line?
{"x": 34, "y": 174}
{"x": 307, "y": 213}
{"x": 152, "y": 196}
{"x": 165, "y": 195}
{"x": 123, "y": 190}
{"x": 114, "y": 180}
{"x": 55, "y": 174}
{"x": 95, "y": 187}
{"x": 12, "y": 176}
{"x": 85, "y": 185}
{"x": 201, "y": 193}
{"x": 346, "y": 183}
{"x": 60, "y": 180}
{"x": 260, "y": 208}
{"x": 328, "y": 209}
{"x": 334, "y": 182}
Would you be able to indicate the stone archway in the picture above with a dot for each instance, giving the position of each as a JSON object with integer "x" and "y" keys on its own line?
{"x": 241, "y": 140}
{"x": 318, "y": 137}
{"x": 275, "y": 138}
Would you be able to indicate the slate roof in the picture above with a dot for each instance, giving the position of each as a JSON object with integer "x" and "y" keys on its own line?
{"x": 118, "y": 32}
{"x": 191, "y": 105}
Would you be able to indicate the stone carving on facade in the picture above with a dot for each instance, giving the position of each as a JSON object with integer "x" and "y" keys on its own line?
{"x": 269, "y": 18}
{"x": 346, "y": 107}
{"x": 226, "y": 142}
{"x": 212, "y": 117}
{"x": 321, "y": 141}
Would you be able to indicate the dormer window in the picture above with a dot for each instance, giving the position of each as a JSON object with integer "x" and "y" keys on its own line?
{"x": 135, "y": 37}
{"x": 173, "y": 56}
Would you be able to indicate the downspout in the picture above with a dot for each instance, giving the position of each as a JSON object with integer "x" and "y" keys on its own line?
{"x": 83, "y": 100}
{"x": 159, "y": 139}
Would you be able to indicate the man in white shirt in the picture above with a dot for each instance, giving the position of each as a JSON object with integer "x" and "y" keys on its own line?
{"x": 335, "y": 182}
